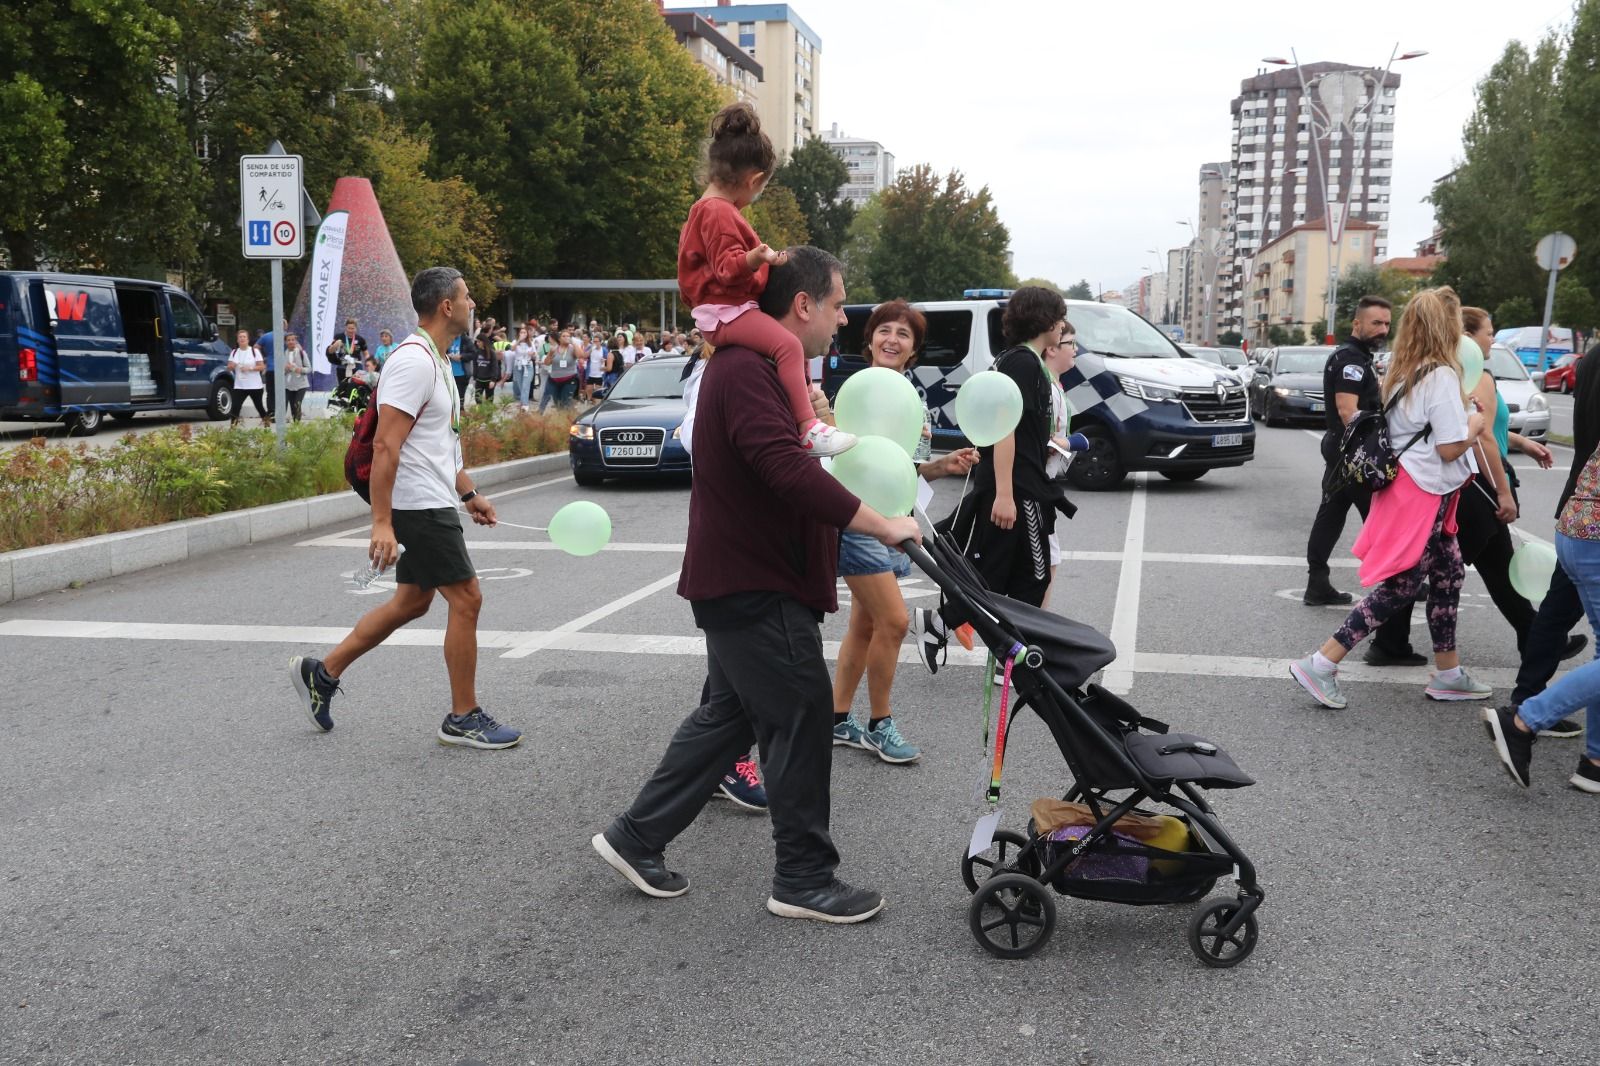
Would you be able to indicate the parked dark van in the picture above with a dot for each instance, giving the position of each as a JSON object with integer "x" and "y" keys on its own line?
{"x": 76, "y": 348}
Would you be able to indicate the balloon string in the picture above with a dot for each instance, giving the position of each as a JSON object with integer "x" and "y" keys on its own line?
{"x": 973, "y": 529}
{"x": 513, "y": 525}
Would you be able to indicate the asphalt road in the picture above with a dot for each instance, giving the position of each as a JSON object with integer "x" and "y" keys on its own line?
{"x": 192, "y": 874}
{"x": 15, "y": 433}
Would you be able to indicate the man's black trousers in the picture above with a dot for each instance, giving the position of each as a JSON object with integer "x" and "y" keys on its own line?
{"x": 768, "y": 684}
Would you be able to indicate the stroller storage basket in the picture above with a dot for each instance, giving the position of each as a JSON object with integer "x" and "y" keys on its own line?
{"x": 1119, "y": 869}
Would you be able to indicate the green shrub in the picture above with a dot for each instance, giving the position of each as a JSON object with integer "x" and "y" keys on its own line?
{"x": 55, "y": 492}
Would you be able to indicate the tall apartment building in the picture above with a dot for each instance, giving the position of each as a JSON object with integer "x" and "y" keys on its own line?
{"x": 1279, "y": 157}
{"x": 871, "y": 165}
{"x": 1208, "y": 277}
{"x": 790, "y": 54}
{"x": 727, "y": 63}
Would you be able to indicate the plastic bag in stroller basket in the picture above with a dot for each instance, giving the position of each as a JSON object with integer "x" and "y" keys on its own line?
{"x": 1145, "y": 859}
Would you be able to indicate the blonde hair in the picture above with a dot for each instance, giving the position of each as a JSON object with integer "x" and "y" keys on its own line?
{"x": 1428, "y": 338}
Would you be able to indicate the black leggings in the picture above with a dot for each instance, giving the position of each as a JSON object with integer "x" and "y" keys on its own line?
{"x": 294, "y": 396}
{"x": 239, "y": 397}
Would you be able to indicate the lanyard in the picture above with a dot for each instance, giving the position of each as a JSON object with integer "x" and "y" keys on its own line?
{"x": 1001, "y": 721}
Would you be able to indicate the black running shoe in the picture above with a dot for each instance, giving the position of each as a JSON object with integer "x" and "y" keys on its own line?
{"x": 1514, "y": 747}
{"x": 1377, "y": 656}
{"x": 1323, "y": 594}
{"x": 1587, "y": 776}
{"x": 1575, "y": 645}
{"x": 649, "y": 875}
{"x": 1565, "y": 729}
{"x": 928, "y": 628}
{"x": 314, "y": 690}
{"x": 836, "y": 903}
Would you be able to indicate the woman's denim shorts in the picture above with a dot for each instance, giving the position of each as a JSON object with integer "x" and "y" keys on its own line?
{"x": 860, "y": 554}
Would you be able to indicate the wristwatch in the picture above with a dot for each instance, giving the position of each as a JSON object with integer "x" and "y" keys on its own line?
{"x": 469, "y": 496}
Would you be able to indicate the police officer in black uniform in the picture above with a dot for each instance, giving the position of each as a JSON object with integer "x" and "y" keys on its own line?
{"x": 1350, "y": 385}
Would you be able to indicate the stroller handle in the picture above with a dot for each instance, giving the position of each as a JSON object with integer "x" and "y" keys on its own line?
{"x": 991, "y": 630}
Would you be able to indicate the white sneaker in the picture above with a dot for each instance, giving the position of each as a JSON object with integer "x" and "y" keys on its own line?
{"x": 822, "y": 440}
{"x": 928, "y": 628}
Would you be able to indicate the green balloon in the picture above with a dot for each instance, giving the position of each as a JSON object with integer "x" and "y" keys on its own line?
{"x": 988, "y": 407}
{"x": 879, "y": 402}
{"x": 880, "y": 473}
{"x": 581, "y": 528}
{"x": 1532, "y": 566}
{"x": 1471, "y": 357}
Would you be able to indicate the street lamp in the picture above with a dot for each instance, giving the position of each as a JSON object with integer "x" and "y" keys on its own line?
{"x": 1339, "y": 94}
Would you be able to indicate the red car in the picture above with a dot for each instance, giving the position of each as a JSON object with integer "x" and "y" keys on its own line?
{"x": 1563, "y": 377}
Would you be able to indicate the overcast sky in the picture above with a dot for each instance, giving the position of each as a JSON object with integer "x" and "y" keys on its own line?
{"x": 1089, "y": 121}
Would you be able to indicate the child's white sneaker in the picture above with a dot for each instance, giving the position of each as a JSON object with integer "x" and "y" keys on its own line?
{"x": 822, "y": 440}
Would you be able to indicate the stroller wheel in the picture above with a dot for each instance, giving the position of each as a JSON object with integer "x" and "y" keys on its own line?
{"x": 1208, "y": 942}
{"x": 1004, "y": 855}
{"x": 1012, "y": 915}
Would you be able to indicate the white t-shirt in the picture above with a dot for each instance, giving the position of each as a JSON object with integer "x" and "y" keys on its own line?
{"x": 420, "y": 385}
{"x": 1436, "y": 400}
{"x": 245, "y": 375}
{"x": 597, "y": 362}
{"x": 521, "y": 354}
{"x": 629, "y": 354}
{"x": 691, "y": 393}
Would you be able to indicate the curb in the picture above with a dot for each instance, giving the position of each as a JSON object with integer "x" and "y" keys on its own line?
{"x": 31, "y": 571}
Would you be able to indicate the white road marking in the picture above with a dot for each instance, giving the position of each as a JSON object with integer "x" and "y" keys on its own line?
{"x": 543, "y": 640}
{"x": 1125, "y": 617}
{"x": 342, "y": 539}
{"x": 1234, "y": 666}
{"x": 1313, "y": 434}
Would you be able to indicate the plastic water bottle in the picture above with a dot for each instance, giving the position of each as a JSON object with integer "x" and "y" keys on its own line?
{"x": 363, "y": 578}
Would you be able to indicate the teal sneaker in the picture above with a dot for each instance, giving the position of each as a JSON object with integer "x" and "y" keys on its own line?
{"x": 885, "y": 739}
{"x": 849, "y": 734}
{"x": 1462, "y": 688}
{"x": 1324, "y": 688}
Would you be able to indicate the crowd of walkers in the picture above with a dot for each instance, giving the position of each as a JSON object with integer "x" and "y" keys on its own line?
{"x": 1450, "y": 506}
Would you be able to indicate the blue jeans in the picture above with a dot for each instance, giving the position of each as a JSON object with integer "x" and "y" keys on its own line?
{"x": 1580, "y": 560}
{"x": 522, "y": 381}
{"x": 561, "y": 393}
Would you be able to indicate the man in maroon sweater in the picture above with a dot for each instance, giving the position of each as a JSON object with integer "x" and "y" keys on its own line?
{"x": 760, "y": 572}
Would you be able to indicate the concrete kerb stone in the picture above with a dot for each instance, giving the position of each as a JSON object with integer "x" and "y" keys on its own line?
{"x": 32, "y": 571}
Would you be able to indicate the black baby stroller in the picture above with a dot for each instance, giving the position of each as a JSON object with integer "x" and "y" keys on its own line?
{"x": 352, "y": 394}
{"x": 1097, "y": 847}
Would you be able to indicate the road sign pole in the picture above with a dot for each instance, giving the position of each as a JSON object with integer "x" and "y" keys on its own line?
{"x": 1549, "y": 310}
{"x": 280, "y": 345}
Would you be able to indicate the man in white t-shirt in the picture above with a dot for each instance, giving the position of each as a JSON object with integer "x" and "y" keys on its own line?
{"x": 416, "y": 485}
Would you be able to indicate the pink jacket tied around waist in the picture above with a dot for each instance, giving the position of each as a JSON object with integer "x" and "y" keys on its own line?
{"x": 1396, "y": 531}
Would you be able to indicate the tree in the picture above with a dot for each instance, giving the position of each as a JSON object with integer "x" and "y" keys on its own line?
{"x": 1565, "y": 146}
{"x": 1575, "y": 305}
{"x": 1319, "y": 330}
{"x": 814, "y": 173}
{"x": 1517, "y": 311}
{"x": 865, "y": 228}
{"x": 937, "y": 238}
{"x": 1230, "y": 338}
{"x": 1043, "y": 283}
{"x": 433, "y": 221}
{"x": 778, "y": 218}
{"x": 1487, "y": 208}
{"x": 1079, "y": 291}
{"x": 108, "y": 185}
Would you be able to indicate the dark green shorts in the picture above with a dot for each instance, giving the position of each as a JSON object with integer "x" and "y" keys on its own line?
{"x": 436, "y": 548}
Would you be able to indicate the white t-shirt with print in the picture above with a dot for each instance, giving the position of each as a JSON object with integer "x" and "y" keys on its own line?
{"x": 1435, "y": 400}
{"x": 245, "y": 375}
{"x": 417, "y": 384}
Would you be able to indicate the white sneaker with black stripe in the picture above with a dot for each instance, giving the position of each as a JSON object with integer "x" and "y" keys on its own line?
{"x": 928, "y": 628}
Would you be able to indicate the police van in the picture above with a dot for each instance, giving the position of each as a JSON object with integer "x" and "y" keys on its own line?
{"x": 1143, "y": 402}
{"x": 76, "y": 348}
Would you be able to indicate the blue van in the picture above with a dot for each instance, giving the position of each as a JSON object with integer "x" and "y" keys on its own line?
{"x": 1144, "y": 402}
{"x": 79, "y": 347}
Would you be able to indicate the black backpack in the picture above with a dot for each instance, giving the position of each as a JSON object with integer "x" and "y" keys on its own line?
{"x": 1367, "y": 458}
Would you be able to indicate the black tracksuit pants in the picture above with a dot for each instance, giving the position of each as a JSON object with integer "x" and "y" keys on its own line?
{"x": 768, "y": 684}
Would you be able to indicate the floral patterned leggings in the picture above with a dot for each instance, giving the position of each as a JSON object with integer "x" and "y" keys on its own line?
{"x": 1441, "y": 565}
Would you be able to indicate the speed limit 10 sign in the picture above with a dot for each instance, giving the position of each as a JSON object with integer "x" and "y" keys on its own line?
{"x": 269, "y": 206}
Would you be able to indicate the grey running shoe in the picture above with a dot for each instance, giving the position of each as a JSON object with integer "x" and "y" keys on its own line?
{"x": 1324, "y": 688}
{"x": 1462, "y": 688}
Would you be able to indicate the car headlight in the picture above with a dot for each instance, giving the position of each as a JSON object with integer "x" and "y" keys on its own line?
{"x": 677, "y": 434}
{"x": 1537, "y": 403}
{"x": 581, "y": 431}
{"x": 1286, "y": 392}
{"x": 1145, "y": 391}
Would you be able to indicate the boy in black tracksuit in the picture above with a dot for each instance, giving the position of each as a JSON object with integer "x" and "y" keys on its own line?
{"x": 1004, "y": 524}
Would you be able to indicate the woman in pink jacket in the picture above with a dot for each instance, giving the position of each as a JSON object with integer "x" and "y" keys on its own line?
{"x": 1410, "y": 532}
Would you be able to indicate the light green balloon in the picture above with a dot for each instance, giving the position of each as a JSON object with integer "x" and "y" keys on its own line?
{"x": 988, "y": 407}
{"x": 581, "y": 528}
{"x": 879, "y": 402}
{"x": 1532, "y": 566}
{"x": 880, "y": 473}
{"x": 1471, "y": 357}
